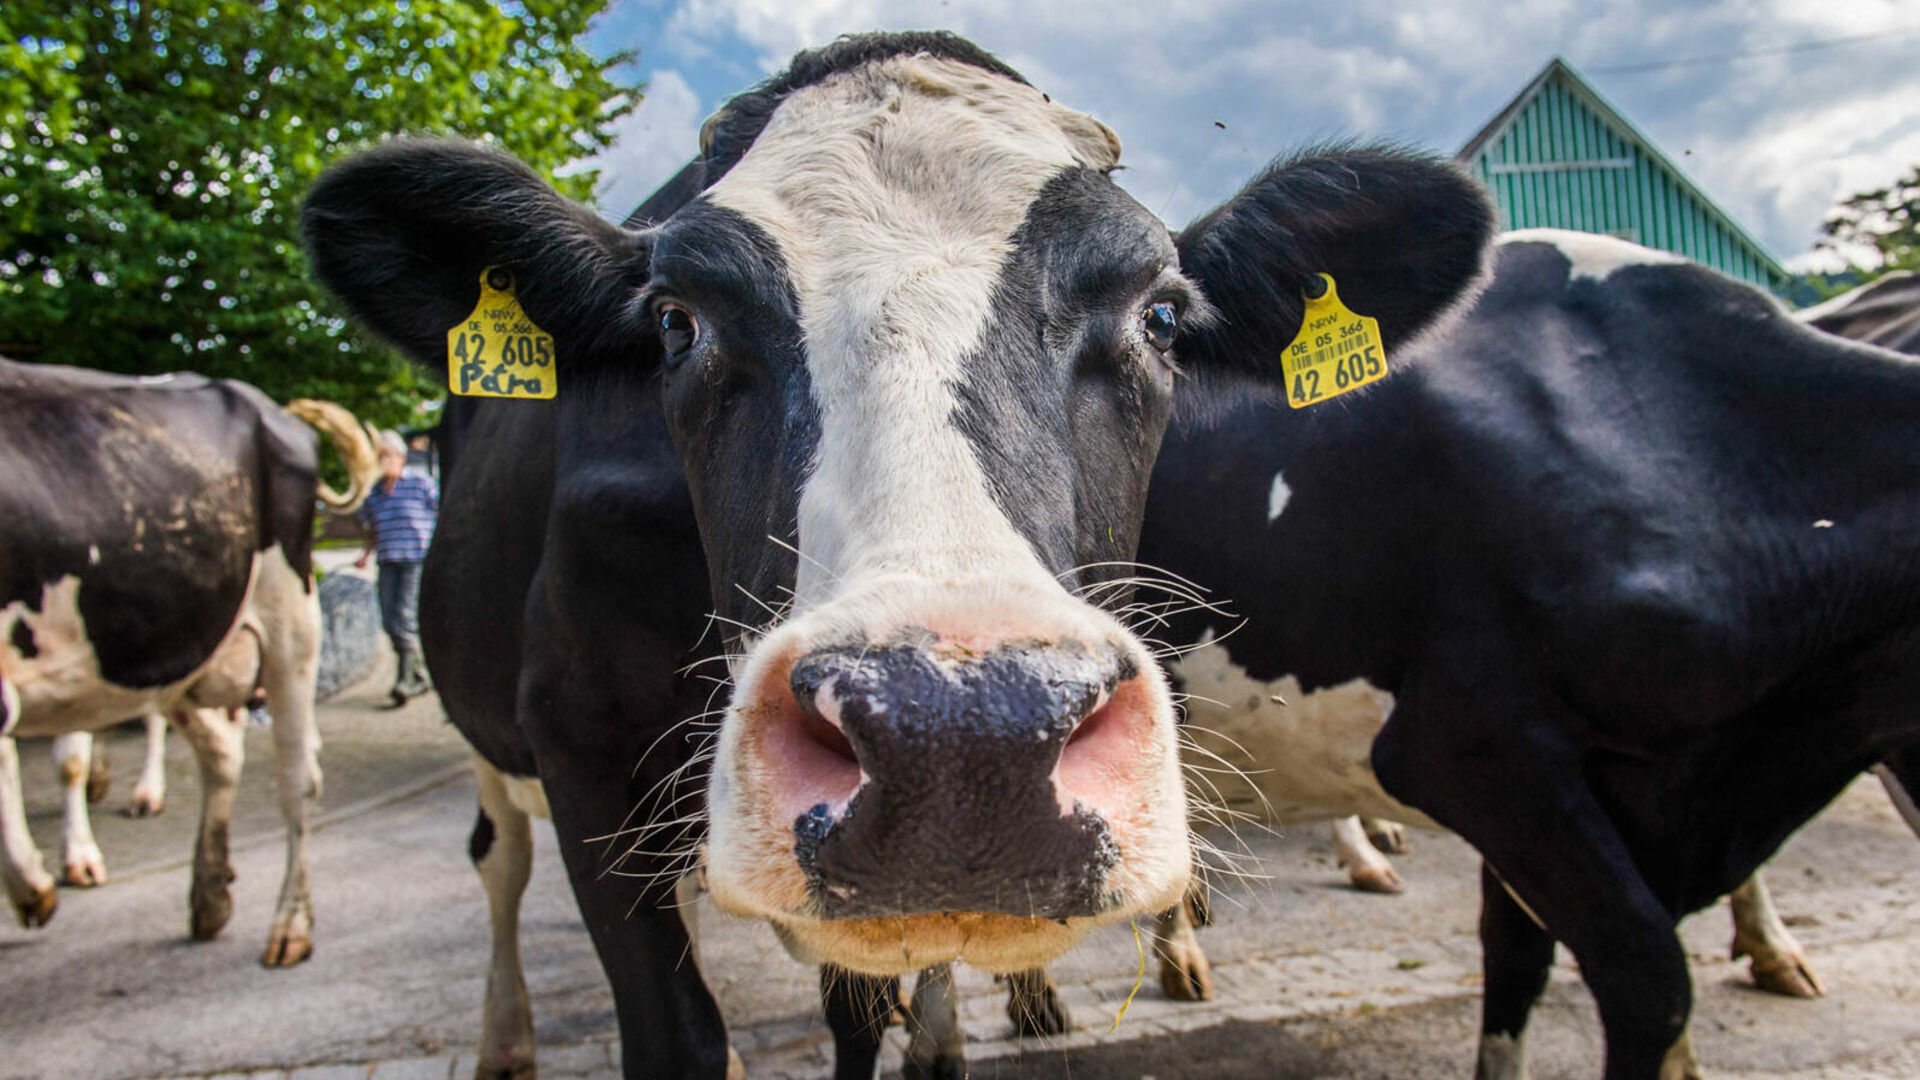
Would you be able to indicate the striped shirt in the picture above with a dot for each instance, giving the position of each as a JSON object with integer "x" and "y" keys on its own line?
{"x": 402, "y": 519}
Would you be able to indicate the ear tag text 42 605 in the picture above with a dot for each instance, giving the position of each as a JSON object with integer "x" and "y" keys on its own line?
{"x": 497, "y": 351}
{"x": 1335, "y": 351}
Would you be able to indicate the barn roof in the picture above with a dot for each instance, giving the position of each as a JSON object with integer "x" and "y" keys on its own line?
{"x": 1560, "y": 156}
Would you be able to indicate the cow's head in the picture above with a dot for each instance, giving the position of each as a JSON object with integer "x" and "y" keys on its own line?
{"x": 917, "y": 352}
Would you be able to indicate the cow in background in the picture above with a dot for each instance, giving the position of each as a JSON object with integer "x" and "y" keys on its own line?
{"x": 1883, "y": 312}
{"x": 1886, "y": 314}
{"x": 155, "y": 550}
{"x": 1631, "y": 552}
{"x": 901, "y": 352}
{"x": 348, "y": 648}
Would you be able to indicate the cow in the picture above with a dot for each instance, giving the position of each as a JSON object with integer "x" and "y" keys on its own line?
{"x": 346, "y": 656}
{"x": 1883, "y": 312}
{"x": 844, "y": 420}
{"x": 1630, "y": 552}
{"x": 155, "y": 542}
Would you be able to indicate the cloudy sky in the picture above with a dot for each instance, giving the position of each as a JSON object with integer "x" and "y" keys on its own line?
{"x": 1776, "y": 107}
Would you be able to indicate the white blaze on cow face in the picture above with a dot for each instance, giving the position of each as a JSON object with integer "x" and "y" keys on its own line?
{"x": 894, "y": 192}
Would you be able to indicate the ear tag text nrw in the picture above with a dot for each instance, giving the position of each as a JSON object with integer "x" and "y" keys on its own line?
{"x": 1335, "y": 351}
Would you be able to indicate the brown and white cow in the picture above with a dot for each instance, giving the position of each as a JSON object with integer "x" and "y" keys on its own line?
{"x": 155, "y": 538}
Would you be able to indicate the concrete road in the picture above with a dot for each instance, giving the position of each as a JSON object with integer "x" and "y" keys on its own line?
{"x": 1314, "y": 980}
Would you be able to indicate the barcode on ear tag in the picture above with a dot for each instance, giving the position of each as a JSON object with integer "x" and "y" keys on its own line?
{"x": 1335, "y": 351}
{"x": 497, "y": 351}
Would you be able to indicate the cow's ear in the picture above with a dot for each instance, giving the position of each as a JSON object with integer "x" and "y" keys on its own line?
{"x": 1403, "y": 236}
{"x": 403, "y": 232}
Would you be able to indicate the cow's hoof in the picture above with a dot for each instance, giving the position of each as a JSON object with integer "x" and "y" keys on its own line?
{"x": 37, "y": 909}
{"x": 1778, "y": 966}
{"x": 939, "y": 1067}
{"x": 209, "y": 903}
{"x": 210, "y": 911}
{"x": 1786, "y": 974}
{"x": 1186, "y": 974}
{"x": 291, "y": 942}
{"x": 1389, "y": 837}
{"x": 84, "y": 868}
{"x": 146, "y": 803}
{"x": 1377, "y": 879}
{"x": 513, "y": 1064}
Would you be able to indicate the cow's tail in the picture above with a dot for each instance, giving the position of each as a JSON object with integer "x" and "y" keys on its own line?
{"x": 355, "y": 442}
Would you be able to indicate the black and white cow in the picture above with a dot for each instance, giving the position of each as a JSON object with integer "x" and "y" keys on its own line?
{"x": 1631, "y": 559}
{"x": 860, "y": 404}
{"x": 155, "y": 541}
{"x": 1883, "y": 312}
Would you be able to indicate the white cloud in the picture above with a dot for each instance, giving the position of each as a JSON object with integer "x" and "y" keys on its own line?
{"x": 1775, "y": 138}
{"x": 651, "y": 143}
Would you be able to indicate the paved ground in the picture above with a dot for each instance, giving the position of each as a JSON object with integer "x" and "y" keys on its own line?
{"x": 1315, "y": 980}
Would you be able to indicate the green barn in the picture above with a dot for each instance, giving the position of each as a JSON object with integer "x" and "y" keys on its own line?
{"x": 1558, "y": 156}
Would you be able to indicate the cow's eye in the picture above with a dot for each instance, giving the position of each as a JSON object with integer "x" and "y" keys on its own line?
{"x": 678, "y": 328}
{"x": 1159, "y": 322}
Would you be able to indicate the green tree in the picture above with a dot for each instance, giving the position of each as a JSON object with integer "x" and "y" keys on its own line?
{"x": 1886, "y": 220}
{"x": 153, "y": 154}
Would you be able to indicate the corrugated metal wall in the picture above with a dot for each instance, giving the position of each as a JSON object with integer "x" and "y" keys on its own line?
{"x": 1561, "y": 166}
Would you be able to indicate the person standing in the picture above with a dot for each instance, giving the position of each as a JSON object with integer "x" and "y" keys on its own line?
{"x": 399, "y": 514}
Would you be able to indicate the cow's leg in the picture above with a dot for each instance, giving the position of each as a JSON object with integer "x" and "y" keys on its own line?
{"x": 1185, "y": 974}
{"x": 29, "y": 886}
{"x": 1525, "y": 795}
{"x": 80, "y": 860}
{"x": 1778, "y": 963}
{"x": 220, "y": 749}
{"x": 99, "y": 773}
{"x": 936, "y": 1048}
{"x": 670, "y": 1025}
{"x": 150, "y": 794}
{"x": 857, "y": 1007}
{"x": 1034, "y": 1004}
{"x": 1518, "y": 956}
{"x": 1388, "y": 837}
{"x": 502, "y": 852}
{"x": 1366, "y": 867}
{"x": 289, "y": 610}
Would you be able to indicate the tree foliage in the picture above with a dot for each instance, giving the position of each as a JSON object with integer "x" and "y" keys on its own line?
{"x": 153, "y": 154}
{"x": 1885, "y": 220}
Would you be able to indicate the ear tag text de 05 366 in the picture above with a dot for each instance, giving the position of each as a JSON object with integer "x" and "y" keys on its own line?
{"x": 497, "y": 351}
{"x": 1335, "y": 351}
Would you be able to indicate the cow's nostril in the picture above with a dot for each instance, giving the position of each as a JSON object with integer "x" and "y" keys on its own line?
{"x": 1100, "y": 753}
{"x": 811, "y": 762}
{"x": 827, "y": 737}
{"x": 1090, "y": 730}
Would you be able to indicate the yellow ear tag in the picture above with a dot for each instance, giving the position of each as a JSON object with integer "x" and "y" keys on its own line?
{"x": 497, "y": 351}
{"x": 1335, "y": 351}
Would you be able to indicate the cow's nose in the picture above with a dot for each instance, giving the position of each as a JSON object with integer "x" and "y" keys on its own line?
{"x": 967, "y": 767}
